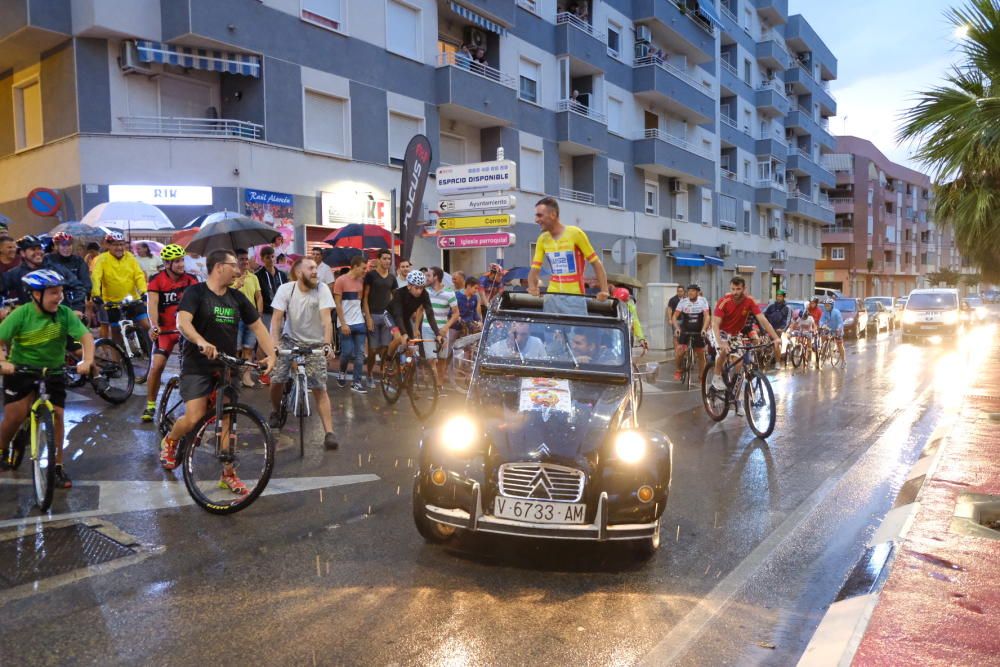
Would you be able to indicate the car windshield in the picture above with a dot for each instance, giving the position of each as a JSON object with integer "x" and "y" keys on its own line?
{"x": 871, "y": 306}
{"x": 845, "y": 305}
{"x": 884, "y": 300}
{"x": 975, "y": 302}
{"x": 518, "y": 342}
{"x": 932, "y": 301}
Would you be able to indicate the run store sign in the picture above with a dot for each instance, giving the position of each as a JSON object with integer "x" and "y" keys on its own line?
{"x": 460, "y": 179}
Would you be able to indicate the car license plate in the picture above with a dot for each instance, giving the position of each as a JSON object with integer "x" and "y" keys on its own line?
{"x": 539, "y": 511}
{"x": 928, "y": 327}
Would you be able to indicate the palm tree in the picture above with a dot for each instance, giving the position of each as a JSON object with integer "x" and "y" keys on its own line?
{"x": 958, "y": 127}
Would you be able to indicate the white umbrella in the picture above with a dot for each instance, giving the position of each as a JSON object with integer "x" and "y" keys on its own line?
{"x": 131, "y": 216}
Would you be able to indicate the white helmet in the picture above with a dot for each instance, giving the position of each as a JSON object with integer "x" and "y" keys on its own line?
{"x": 114, "y": 237}
{"x": 416, "y": 278}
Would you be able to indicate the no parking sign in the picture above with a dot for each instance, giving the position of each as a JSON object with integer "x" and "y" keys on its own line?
{"x": 44, "y": 202}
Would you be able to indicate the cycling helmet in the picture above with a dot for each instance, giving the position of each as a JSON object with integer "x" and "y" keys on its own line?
{"x": 781, "y": 292}
{"x": 172, "y": 252}
{"x": 42, "y": 279}
{"x": 29, "y": 241}
{"x": 47, "y": 242}
{"x": 828, "y": 301}
{"x": 416, "y": 278}
{"x": 114, "y": 237}
{"x": 62, "y": 237}
{"x": 621, "y": 294}
{"x": 694, "y": 286}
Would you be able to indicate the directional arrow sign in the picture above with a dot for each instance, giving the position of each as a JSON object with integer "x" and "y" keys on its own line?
{"x": 476, "y": 221}
{"x": 477, "y": 204}
{"x": 498, "y": 240}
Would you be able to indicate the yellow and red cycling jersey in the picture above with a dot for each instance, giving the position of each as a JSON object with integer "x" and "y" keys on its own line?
{"x": 567, "y": 256}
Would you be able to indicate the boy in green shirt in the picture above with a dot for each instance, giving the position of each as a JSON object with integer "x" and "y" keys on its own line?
{"x": 35, "y": 334}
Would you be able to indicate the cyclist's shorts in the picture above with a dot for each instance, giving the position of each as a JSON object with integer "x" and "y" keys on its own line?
{"x": 136, "y": 311}
{"x": 18, "y": 386}
{"x": 696, "y": 340}
{"x": 165, "y": 343}
{"x": 73, "y": 345}
{"x": 200, "y": 384}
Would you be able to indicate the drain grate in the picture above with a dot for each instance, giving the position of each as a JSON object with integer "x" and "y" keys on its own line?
{"x": 54, "y": 551}
{"x": 978, "y": 515}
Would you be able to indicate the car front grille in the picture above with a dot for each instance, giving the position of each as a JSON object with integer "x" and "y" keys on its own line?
{"x": 543, "y": 481}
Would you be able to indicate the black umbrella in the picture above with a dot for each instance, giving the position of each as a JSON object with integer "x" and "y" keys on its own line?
{"x": 337, "y": 257}
{"x": 230, "y": 234}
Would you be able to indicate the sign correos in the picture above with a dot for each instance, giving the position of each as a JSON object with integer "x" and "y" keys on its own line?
{"x": 477, "y": 204}
{"x": 477, "y": 177}
{"x": 162, "y": 195}
{"x": 476, "y": 221}
{"x": 498, "y": 240}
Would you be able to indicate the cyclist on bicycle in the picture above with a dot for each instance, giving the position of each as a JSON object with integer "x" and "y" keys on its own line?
{"x": 834, "y": 321}
{"x": 731, "y": 314}
{"x": 623, "y": 295}
{"x": 690, "y": 322}
{"x": 804, "y": 326}
{"x": 36, "y": 335}
{"x": 115, "y": 275}
{"x": 207, "y": 317}
{"x": 779, "y": 314}
{"x": 33, "y": 258}
{"x": 66, "y": 261}
{"x": 165, "y": 291}
{"x": 407, "y": 303}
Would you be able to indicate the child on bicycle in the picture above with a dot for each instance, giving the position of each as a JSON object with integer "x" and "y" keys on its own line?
{"x": 36, "y": 335}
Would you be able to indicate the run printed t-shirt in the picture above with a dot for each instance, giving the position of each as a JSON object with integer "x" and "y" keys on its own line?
{"x": 442, "y": 302}
{"x": 692, "y": 314}
{"x": 170, "y": 290}
{"x": 734, "y": 314}
{"x": 303, "y": 312}
{"x": 215, "y": 318}
{"x": 567, "y": 256}
{"x": 379, "y": 291}
{"x": 36, "y": 339}
{"x": 349, "y": 290}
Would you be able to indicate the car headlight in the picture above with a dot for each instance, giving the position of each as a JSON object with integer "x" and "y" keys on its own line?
{"x": 849, "y": 321}
{"x": 458, "y": 434}
{"x": 630, "y": 446}
{"x": 909, "y": 317}
{"x": 951, "y": 317}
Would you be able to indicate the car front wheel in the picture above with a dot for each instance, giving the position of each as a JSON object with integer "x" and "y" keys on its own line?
{"x": 646, "y": 548}
{"x": 432, "y": 531}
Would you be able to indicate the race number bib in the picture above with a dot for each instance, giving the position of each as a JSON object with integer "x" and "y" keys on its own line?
{"x": 562, "y": 263}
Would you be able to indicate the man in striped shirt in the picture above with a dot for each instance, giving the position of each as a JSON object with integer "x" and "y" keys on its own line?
{"x": 347, "y": 291}
{"x": 445, "y": 306}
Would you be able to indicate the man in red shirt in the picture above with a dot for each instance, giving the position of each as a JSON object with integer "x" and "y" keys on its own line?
{"x": 729, "y": 318}
{"x": 163, "y": 295}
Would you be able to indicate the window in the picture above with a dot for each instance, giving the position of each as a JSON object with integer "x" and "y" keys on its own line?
{"x": 823, "y": 253}
{"x": 402, "y": 128}
{"x": 652, "y": 199}
{"x": 324, "y": 13}
{"x": 28, "y": 114}
{"x": 837, "y": 254}
{"x": 532, "y": 170}
{"x": 871, "y": 225}
{"x": 452, "y": 149}
{"x": 747, "y": 71}
{"x": 706, "y": 206}
{"x": 746, "y": 171}
{"x": 615, "y": 107}
{"x": 614, "y": 39}
{"x": 528, "y": 90}
{"x": 681, "y": 205}
{"x": 616, "y": 190}
{"x": 327, "y": 123}
{"x": 727, "y": 212}
{"x": 403, "y": 34}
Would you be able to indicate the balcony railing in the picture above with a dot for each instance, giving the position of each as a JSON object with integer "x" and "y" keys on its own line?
{"x": 731, "y": 175}
{"x": 530, "y": 5}
{"x": 728, "y": 12}
{"x": 673, "y": 69}
{"x": 772, "y": 36}
{"x": 824, "y": 202}
{"x": 775, "y": 85}
{"x": 770, "y": 183}
{"x": 581, "y": 109}
{"x": 842, "y": 201}
{"x": 676, "y": 141}
{"x": 576, "y": 195}
{"x": 192, "y": 127}
{"x": 798, "y": 194}
{"x": 485, "y": 71}
{"x": 729, "y": 67}
{"x": 580, "y": 24}
{"x": 838, "y": 229}
{"x": 702, "y": 23}
{"x": 777, "y": 136}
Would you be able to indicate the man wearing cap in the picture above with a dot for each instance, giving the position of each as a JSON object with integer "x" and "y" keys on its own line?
{"x": 779, "y": 315}
{"x": 34, "y": 258}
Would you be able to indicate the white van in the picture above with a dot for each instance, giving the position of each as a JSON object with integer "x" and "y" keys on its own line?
{"x": 932, "y": 312}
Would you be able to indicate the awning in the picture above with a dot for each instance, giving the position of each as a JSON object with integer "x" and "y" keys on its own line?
{"x": 707, "y": 7}
{"x": 714, "y": 261}
{"x": 744, "y": 268}
{"x": 687, "y": 259}
{"x": 777, "y": 272}
{"x": 838, "y": 161}
{"x": 204, "y": 59}
{"x": 480, "y": 21}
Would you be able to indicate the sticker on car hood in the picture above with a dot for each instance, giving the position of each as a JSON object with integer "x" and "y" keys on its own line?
{"x": 546, "y": 394}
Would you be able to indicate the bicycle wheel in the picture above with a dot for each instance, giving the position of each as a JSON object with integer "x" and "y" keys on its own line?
{"x": 43, "y": 458}
{"x": 112, "y": 376}
{"x": 73, "y": 379}
{"x": 284, "y": 406}
{"x": 170, "y": 407}
{"x": 302, "y": 410}
{"x": 422, "y": 388}
{"x": 18, "y": 444}
{"x": 391, "y": 380}
{"x": 715, "y": 401}
{"x": 797, "y": 355}
{"x": 139, "y": 344}
{"x": 689, "y": 364}
{"x": 250, "y": 454}
{"x": 758, "y": 400}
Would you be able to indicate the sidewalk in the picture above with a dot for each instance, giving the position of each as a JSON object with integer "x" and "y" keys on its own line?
{"x": 941, "y": 601}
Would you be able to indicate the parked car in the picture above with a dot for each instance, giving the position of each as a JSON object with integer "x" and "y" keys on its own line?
{"x": 855, "y": 316}
{"x": 887, "y": 302}
{"x": 900, "y": 304}
{"x": 827, "y": 293}
{"x": 975, "y": 309}
{"x": 932, "y": 312}
{"x": 879, "y": 317}
{"x": 549, "y": 445}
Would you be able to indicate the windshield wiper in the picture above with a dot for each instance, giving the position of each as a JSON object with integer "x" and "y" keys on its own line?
{"x": 517, "y": 348}
{"x": 570, "y": 350}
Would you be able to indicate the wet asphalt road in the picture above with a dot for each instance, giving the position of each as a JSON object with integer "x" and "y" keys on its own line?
{"x": 758, "y": 538}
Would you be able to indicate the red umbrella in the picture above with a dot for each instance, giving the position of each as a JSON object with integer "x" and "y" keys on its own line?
{"x": 361, "y": 236}
{"x": 183, "y": 236}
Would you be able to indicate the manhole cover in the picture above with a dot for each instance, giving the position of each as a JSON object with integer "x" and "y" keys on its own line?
{"x": 54, "y": 551}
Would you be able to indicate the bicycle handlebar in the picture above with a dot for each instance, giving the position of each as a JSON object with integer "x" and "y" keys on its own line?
{"x": 305, "y": 351}
{"x": 235, "y": 361}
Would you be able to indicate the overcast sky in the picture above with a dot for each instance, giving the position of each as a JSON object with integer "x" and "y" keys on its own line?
{"x": 886, "y": 50}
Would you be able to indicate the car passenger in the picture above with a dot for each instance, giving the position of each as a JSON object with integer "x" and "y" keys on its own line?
{"x": 519, "y": 343}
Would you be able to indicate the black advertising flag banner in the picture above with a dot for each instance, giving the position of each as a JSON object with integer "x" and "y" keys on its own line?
{"x": 416, "y": 164}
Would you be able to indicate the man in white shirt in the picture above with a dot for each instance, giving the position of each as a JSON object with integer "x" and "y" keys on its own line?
{"x": 519, "y": 343}
{"x": 301, "y": 318}
{"x": 323, "y": 272}
{"x": 691, "y": 320}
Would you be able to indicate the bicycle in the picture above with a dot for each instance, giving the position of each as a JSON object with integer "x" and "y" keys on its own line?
{"x": 217, "y": 442}
{"x": 135, "y": 341}
{"x": 295, "y": 399}
{"x": 749, "y": 382}
{"x": 829, "y": 351}
{"x": 463, "y": 360}
{"x": 799, "y": 346}
{"x": 112, "y": 376}
{"x": 414, "y": 373}
{"x": 38, "y": 431}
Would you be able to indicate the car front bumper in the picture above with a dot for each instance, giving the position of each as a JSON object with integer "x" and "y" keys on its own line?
{"x": 927, "y": 329}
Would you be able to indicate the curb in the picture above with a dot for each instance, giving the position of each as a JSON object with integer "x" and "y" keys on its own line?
{"x": 845, "y": 622}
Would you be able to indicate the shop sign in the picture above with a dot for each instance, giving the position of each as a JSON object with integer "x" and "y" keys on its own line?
{"x": 162, "y": 195}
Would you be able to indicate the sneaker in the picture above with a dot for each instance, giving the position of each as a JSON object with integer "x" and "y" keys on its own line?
{"x": 371, "y": 383}
{"x": 168, "y": 453}
{"x": 718, "y": 384}
{"x": 265, "y": 379}
{"x": 677, "y": 376}
{"x": 359, "y": 388}
{"x": 330, "y": 441}
{"x": 274, "y": 420}
{"x": 148, "y": 413}
{"x": 230, "y": 481}
{"x": 62, "y": 479}
{"x": 140, "y": 380}
{"x": 341, "y": 380}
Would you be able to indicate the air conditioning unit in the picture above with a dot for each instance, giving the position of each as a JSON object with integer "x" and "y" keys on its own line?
{"x": 642, "y": 34}
{"x": 670, "y": 239}
{"x": 475, "y": 38}
{"x": 779, "y": 255}
{"x": 678, "y": 186}
{"x": 772, "y": 231}
{"x": 725, "y": 250}
{"x": 129, "y": 61}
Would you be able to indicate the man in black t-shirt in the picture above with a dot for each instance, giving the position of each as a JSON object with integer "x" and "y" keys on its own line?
{"x": 208, "y": 317}
{"x": 672, "y": 308}
{"x": 379, "y": 285}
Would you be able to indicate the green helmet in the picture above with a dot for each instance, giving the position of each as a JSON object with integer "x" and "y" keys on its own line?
{"x": 781, "y": 292}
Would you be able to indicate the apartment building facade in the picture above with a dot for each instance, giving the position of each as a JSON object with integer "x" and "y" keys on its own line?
{"x": 695, "y": 128}
{"x": 884, "y": 240}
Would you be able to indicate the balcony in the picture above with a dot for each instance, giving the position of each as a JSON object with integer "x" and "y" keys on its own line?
{"x": 801, "y": 117}
{"x": 838, "y": 234}
{"x": 686, "y": 31}
{"x": 28, "y": 28}
{"x": 731, "y": 135}
{"x": 731, "y": 81}
{"x": 772, "y": 144}
{"x": 576, "y": 196}
{"x": 774, "y": 12}
{"x": 802, "y": 205}
{"x": 770, "y": 98}
{"x": 665, "y": 154}
{"x": 770, "y": 193}
{"x": 801, "y": 77}
{"x": 771, "y": 53}
{"x": 581, "y": 42}
{"x": 191, "y": 127}
{"x": 846, "y": 203}
{"x": 499, "y": 10}
{"x": 580, "y": 130}
{"x": 661, "y": 83}
{"x": 476, "y": 94}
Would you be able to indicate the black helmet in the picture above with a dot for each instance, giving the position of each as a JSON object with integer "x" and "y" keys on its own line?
{"x": 29, "y": 241}
{"x": 694, "y": 286}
